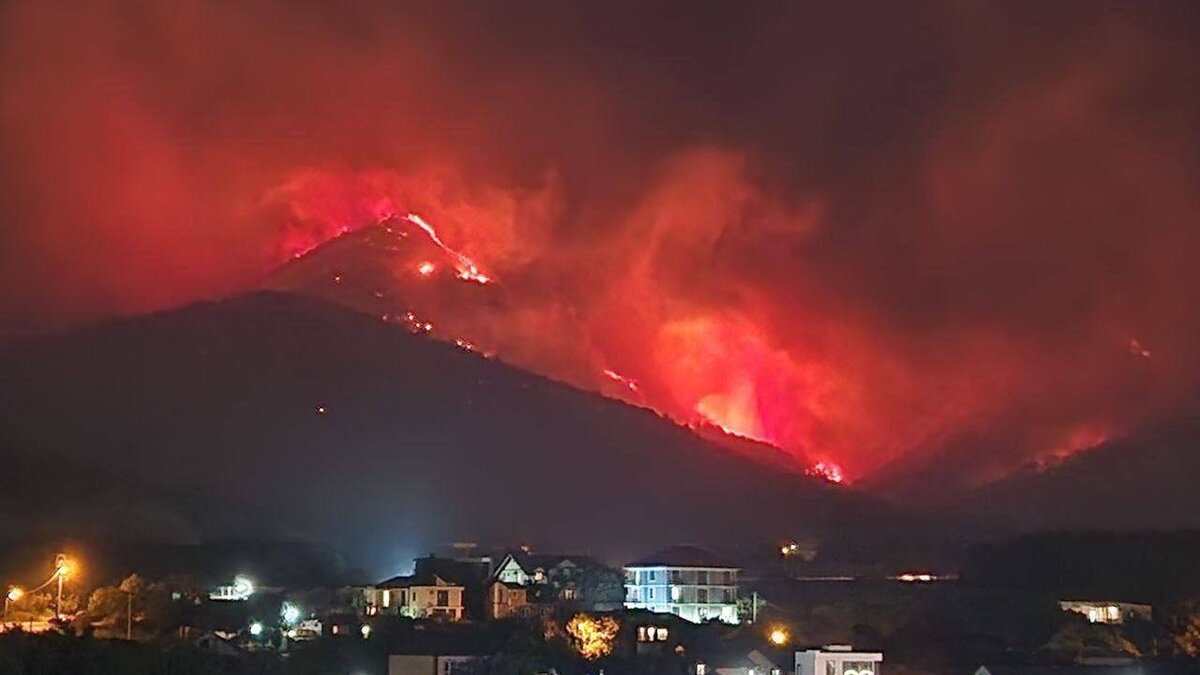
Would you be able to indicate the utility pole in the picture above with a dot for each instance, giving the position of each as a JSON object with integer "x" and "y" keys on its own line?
{"x": 129, "y": 617}
{"x": 60, "y": 571}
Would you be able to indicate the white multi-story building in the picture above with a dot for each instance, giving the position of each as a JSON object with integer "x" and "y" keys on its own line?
{"x": 837, "y": 660}
{"x": 686, "y": 581}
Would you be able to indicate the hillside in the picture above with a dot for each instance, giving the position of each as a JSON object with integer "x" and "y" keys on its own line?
{"x": 275, "y": 415}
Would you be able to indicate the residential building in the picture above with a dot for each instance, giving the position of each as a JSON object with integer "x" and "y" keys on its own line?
{"x": 837, "y": 660}
{"x": 423, "y": 664}
{"x": 506, "y": 599}
{"x": 686, "y": 581}
{"x": 420, "y": 596}
{"x": 1109, "y": 612}
{"x": 561, "y": 578}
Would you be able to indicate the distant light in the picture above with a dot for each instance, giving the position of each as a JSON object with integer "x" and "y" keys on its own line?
{"x": 426, "y": 268}
{"x": 321, "y": 410}
{"x": 366, "y": 631}
{"x": 256, "y": 629}
{"x": 779, "y": 637}
{"x": 243, "y": 587}
{"x": 290, "y": 613}
{"x": 15, "y": 594}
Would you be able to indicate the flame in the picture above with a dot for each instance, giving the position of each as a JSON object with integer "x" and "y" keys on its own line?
{"x": 827, "y": 470}
{"x": 1136, "y": 348}
{"x": 467, "y": 269}
{"x": 626, "y": 382}
{"x": 426, "y": 268}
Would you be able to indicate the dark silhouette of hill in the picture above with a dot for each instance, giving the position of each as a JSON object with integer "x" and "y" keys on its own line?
{"x": 1147, "y": 480}
{"x": 276, "y": 416}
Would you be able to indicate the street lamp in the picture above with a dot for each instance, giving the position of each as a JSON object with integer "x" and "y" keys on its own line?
{"x": 779, "y": 637}
{"x": 14, "y": 595}
{"x": 63, "y": 567}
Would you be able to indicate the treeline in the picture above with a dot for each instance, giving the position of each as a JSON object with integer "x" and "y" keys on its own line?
{"x": 1156, "y": 567}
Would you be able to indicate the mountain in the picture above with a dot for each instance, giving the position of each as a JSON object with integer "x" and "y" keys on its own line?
{"x": 273, "y": 415}
{"x": 1146, "y": 480}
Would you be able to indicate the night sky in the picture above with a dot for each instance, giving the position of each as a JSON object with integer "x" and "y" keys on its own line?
{"x": 870, "y": 233}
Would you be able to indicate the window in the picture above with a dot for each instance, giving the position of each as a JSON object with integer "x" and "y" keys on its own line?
{"x": 443, "y": 598}
{"x": 652, "y": 575}
{"x": 675, "y": 594}
{"x": 676, "y": 577}
{"x": 387, "y": 598}
{"x": 702, "y": 577}
{"x": 702, "y": 595}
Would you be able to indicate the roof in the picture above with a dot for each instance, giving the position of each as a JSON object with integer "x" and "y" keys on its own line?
{"x": 546, "y": 561}
{"x": 415, "y": 580}
{"x": 1077, "y": 669}
{"x": 683, "y": 556}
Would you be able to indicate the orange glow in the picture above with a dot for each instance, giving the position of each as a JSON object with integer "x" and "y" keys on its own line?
{"x": 827, "y": 470}
{"x": 593, "y": 637}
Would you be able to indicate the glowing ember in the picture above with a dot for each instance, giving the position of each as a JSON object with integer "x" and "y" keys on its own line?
{"x": 416, "y": 324}
{"x": 826, "y": 470}
{"x": 1136, "y": 348}
{"x": 426, "y": 268}
{"x": 467, "y": 269}
{"x": 593, "y": 637}
{"x": 626, "y": 382}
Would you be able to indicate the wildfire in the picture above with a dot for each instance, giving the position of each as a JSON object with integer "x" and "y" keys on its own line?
{"x": 626, "y": 382}
{"x": 467, "y": 269}
{"x": 1136, "y": 348}
{"x": 826, "y": 470}
{"x": 416, "y": 324}
{"x": 593, "y": 637}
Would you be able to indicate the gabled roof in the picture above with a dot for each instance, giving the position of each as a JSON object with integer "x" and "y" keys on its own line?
{"x": 543, "y": 561}
{"x": 683, "y": 556}
{"x": 412, "y": 580}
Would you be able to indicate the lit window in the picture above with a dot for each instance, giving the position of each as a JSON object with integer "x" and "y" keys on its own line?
{"x": 660, "y": 634}
{"x": 675, "y": 593}
{"x": 387, "y": 598}
{"x": 701, "y": 669}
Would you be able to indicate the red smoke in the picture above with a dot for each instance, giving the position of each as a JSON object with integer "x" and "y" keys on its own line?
{"x": 932, "y": 235}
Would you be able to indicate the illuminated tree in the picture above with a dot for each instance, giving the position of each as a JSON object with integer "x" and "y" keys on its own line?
{"x": 592, "y": 637}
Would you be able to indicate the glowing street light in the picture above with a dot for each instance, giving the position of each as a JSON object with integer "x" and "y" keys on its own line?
{"x": 14, "y": 595}
{"x": 243, "y": 587}
{"x": 779, "y": 636}
{"x": 256, "y": 628}
{"x": 63, "y": 568}
{"x": 290, "y": 613}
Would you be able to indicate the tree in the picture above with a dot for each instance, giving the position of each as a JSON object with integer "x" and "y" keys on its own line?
{"x": 602, "y": 587}
{"x": 1183, "y": 628}
{"x": 131, "y": 586}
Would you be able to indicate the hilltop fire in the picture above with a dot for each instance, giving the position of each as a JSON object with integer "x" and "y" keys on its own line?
{"x": 946, "y": 267}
